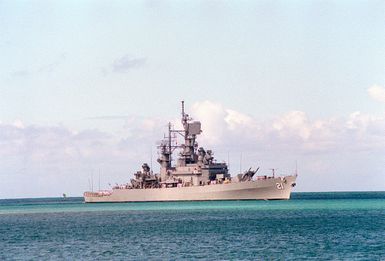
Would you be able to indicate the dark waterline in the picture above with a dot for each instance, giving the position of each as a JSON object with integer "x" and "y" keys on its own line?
{"x": 343, "y": 225}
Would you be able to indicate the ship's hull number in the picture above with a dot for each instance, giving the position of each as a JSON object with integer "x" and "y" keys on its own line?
{"x": 279, "y": 186}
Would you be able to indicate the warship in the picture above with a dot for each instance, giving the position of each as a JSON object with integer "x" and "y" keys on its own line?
{"x": 196, "y": 175}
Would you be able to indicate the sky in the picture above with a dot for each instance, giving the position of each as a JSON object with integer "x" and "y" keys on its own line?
{"x": 87, "y": 89}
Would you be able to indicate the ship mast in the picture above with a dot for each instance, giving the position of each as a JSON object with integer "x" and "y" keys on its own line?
{"x": 184, "y": 121}
{"x": 182, "y": 109}
{"x": 169, "y": 144}
{"x": 188, "y": 153}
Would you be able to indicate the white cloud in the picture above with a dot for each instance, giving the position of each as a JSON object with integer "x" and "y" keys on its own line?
{"x": 49, "y": 160}
{"x": 228, "y": 128}
{"x": 377, "y": 93}
{"x": 212, "y": 115}
{"x": 294, "y": 123}
{"x": 236, "y": 119}
{"x": 333, "y": 153}
{"x": 18, "y": 124}
{"x": 56, "y": 159}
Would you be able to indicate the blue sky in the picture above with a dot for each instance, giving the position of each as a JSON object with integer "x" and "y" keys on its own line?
{"x": 87, "y": 86}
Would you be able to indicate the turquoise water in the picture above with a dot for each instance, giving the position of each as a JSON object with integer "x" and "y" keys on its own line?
{"x": 348, "y": 226}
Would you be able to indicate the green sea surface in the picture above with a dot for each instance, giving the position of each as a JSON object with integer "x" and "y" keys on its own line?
{"x": 319, "y": 226}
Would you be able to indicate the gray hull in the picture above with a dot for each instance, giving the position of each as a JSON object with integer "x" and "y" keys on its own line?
{"x": 271, "y": 188}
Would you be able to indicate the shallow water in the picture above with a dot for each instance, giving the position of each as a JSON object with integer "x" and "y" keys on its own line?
{"x": 309, "y": 226}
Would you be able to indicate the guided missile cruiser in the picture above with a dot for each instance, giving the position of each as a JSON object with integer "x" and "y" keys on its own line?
{"x": 193, "y": 175}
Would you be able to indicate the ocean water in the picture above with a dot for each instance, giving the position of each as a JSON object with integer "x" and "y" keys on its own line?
{"x": 319, "y": 226}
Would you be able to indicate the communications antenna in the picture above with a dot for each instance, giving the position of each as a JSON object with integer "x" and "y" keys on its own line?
{"x": 273, "y": 171}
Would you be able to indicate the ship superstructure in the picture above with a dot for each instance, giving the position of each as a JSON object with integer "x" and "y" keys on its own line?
{"x": 196, "y": 175}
